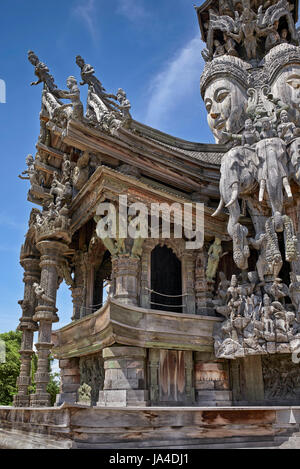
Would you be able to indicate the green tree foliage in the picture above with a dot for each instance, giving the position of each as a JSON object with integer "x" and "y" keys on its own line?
{"x": 9, "y": 371}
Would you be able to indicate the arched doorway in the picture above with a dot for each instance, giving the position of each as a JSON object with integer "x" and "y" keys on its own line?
{"x": 166, "y": 279}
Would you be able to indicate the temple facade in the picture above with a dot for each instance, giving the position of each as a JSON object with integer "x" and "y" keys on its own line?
{"x": 209, "y": 317}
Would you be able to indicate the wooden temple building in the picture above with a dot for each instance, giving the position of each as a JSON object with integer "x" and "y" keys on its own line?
{"x": 168, "y": 346}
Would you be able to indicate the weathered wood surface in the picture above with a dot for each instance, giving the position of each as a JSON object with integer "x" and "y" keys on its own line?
{"x": 111, "y": 183}
{"x": 82, "y": 427}
{"x": 130, "y": 325}
{"x": 145, "y": 154}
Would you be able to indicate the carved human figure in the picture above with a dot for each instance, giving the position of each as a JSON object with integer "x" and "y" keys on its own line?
{"x": 81, "y": 171}
{"x": 214, "y": 255}
{"x": 230, "y": 45}
{"x": 248, "y": 33}
{"x": 267, "y": 312}
{"x": 88, "y": 75}
{"x": 42, "y": 72}
{"x": 125, "y": 105}
{"x": 248, "y": 137}
{"x": 95, "y": 87}
{"x": 283, "y": 36}
{"x": 66, "y": 168}
{"x": 30, "y": 173}
{"x": 41, "y": 296}
{"x": 294, "y": 291}
{"x": 277, "y": 289}
{"x": 286, "y": 86}
{"x": 50, "y": 101}
{"x": 219, "y": 49}
{"x": 222, "y": 291}
{"x": 234, "y": 293}
{"x": 74, "y": 95}
{"x": 225, "y": 101}
{"x": 273, "y": 38}
{"x": 285, "y": 129}
{"x": 269, "y": 260}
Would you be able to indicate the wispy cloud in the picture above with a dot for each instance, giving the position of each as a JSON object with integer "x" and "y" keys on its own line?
{"x": 132, "y": 9}
{"x": 85, "y": 10}
{"x": 174, "y": 83}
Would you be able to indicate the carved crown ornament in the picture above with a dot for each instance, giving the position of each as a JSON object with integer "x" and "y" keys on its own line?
{"x": 237, "y": 69}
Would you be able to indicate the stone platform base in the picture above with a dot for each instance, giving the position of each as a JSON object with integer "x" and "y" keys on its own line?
{"x": 123, "y": 398}
{"x": 79, "y": 427}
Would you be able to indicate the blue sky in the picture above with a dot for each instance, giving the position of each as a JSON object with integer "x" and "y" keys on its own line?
{"x": 151, "y": 48}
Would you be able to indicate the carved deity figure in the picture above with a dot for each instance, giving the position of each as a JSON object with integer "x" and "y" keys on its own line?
{"x": 42, "y": 72}
{"x": 84, "y": 394}
{"x": 267, "y": 313}
{"x": 99, "y": 102}
{"x": 41, "y": 296}
{"x": 248, "y": 137}
{"x": 235, "y": 300}
{"x": 225, "y": 96}
{"x": 286, "y": 84}
{"x": 81, "y": 171}
{"x": 30, "y": 173}
{"x": 285, "y": 129}
{"x": 225, "y": 102}
{"x": 248, "y": 34}
{"x": 73, "y": 94}
{"x": 219, "y": 49}
{"x": 223, "y": 286}
{"x": 50, "y": 94}
{"x": 125, "y": 105}
{"x": 273, "y": 37}
{"x": 294, "y": 291}
{"x": 66, "y": 168}
{"x": 214, "y": 255}
{"x": 230, "y": 45}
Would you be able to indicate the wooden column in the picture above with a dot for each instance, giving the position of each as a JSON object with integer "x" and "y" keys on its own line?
{"x": 45, "y": 315}
{"x": 27, "y": 326}
{"x": 188, "y": 282}
{"x": 79, "y": 288}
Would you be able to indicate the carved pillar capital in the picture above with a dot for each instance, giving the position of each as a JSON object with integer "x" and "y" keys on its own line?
{"x": 125, "y": 273}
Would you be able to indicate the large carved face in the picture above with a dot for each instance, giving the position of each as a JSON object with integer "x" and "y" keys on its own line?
{"x": 286, "y": 87}
{"x": 225, "y": 101}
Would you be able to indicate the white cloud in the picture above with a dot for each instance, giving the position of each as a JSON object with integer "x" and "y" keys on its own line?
{"x": 132, "y": 9}
{"x": 86, "y": 11}
{"x": 174, "y": 83}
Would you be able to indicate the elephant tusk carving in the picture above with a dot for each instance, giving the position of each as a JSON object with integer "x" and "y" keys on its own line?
{"x": 220, "y": 206}
{"x": 234, "y": 195}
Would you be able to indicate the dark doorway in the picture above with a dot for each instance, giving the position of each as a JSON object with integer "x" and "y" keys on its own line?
{"x": 284, "y": 274}
{"x": 102, "y": 275}
{"x": 166, "y": 279}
